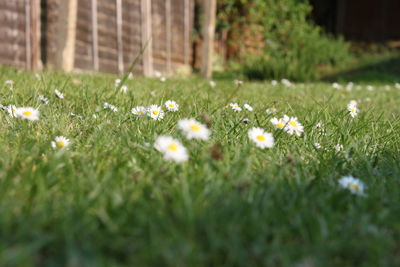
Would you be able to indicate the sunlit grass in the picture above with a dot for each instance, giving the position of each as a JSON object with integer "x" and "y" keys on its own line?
{"x": 110, "y": 198}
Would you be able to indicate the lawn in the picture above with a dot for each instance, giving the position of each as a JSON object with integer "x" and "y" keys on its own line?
{"x": 110, "y": 198}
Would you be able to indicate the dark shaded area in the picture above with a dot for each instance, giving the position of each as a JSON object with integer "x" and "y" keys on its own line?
{"x": 359, "y": 20}
{"x": 383, "y": 71}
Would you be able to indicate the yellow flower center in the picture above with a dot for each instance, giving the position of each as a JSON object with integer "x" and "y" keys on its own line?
{"x": 353, "y": 110}
{"x": 261, "y": 138}
{"x": 27, "y": 113}
{"x": 355, "y": 187}
{"x": 236, "y": 106}
{"x": 293, "y": 123}
{"x": 195, "y": 127}
{"x": 60, "y": 144}
{"x": 155, "y": 112}
{"x": 173, "y": 147}
{"x": 171, "y": 105}
{"x": 280, "y": 125}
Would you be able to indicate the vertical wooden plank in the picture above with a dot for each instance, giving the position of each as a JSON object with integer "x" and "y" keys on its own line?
{"x": 147, "y": 38}
{"x": 65, "y": 29}
{"x": 35, "y": 35}
{"x": 95, "y": 39}
{"x": 168, "y": 33}
{"x": 28, "y": 62}
{"x": 69, "y": 48}
{"x": 208, "y": 38}
{"x": 186, "y": 36}
{"x": 119, "y": 36}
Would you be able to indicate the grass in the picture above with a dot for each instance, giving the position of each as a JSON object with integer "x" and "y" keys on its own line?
{"x": 111, "y": 199}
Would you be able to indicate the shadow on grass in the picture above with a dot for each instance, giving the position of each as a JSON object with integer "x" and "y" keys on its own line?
{"x": 381, "y": 71}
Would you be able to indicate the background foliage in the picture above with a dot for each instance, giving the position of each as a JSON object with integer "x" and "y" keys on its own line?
{"x": 275, "y": 39}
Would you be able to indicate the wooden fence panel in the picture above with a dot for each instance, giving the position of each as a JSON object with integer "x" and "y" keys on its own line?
{"x": 131, "y": 33}
{"x": 84, "y": 37}
{"x": 159, "y": 35}
{"x": 20, "y": 38}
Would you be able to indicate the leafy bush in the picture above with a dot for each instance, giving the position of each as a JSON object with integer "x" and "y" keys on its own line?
{"x": 293, "y": 47}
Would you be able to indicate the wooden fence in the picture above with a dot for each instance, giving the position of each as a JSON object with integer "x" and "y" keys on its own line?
{"x": 20, "y": 33}
{"x": 97, "y": 35}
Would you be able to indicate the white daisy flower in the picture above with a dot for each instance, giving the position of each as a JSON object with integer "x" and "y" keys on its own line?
{"x": 95, "y": 116}
{"x": 124, "y": 89}
{"x": 349, "y": 86}
{"x": 370, "y": 88}
{"x": 336, "y": 86}
{"x": 12, "y": 111}
{"x": 235, "y": 107}
{"x": 153, "y": 93}
{"x": 157, "y": 74}
{"x": 238, "y": 82}
{"x": 338, "y": 147}
{"x": 163, "y": 79}
{"x": 352, "y": 108}
{"x": 261, "y": 138}
{"x": 171, "y": 105}
{"x": 9, "y": 82}
{"x": 139, "y": 111}
{"x": 274, "y": 82}
{"x": 212, "y": 84}
{"x": 59, "y": 94}
{"x": 117, "y": 82}
{"x": 28, "y": 113}
{"x": 60, "y": 142}
{"x": 293, "y": 126}
{"x": 155, "y": 112}
{"x": 193, "y": 129}
{"x": 286, "y": 82}
{"x": 317, "y": 145}
{"x": 397, "y": 85}
{"x": 278, "y": 123}
{"x": 44, "y": 99}
{"x": 248, "y": 107}
{"x": 271, "y": 110}
{"x": 111, "y": 107}
{"x": 354, "y": 185}
{"x": 172, "y": 149}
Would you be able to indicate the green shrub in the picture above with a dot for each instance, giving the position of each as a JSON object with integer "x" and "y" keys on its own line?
{"x": 294, "y": 47}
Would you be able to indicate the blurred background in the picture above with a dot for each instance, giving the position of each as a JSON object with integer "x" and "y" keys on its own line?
{"x": 334, "y": 40}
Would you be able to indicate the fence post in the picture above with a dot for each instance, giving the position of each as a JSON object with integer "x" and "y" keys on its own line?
{"x": 168, "y": 35}
{"x": 119, "y": 36}
{"x": 95, "y": 45}
{"x": 208, "y": 38}
{"x": 186, "y": 28}
{"x": 147, "y": 37}
{"x": 35, "y": 35}
{"x": 65, "y": 29}
{"x": 28, "y": 43}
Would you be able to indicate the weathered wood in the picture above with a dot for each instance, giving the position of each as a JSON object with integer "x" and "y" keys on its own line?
{"x": 147, "y": 38}
{"x": 28, "y": 46}
{"x": 64, "y": 35}
{"x": 35, "y": 35}
{"x": 208, "y": 38}
{"x": 186, "y": 30}
{"x": 168, "y": 33}
{"x": 95, "y": 41}
{"x": 119, "y": 36}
